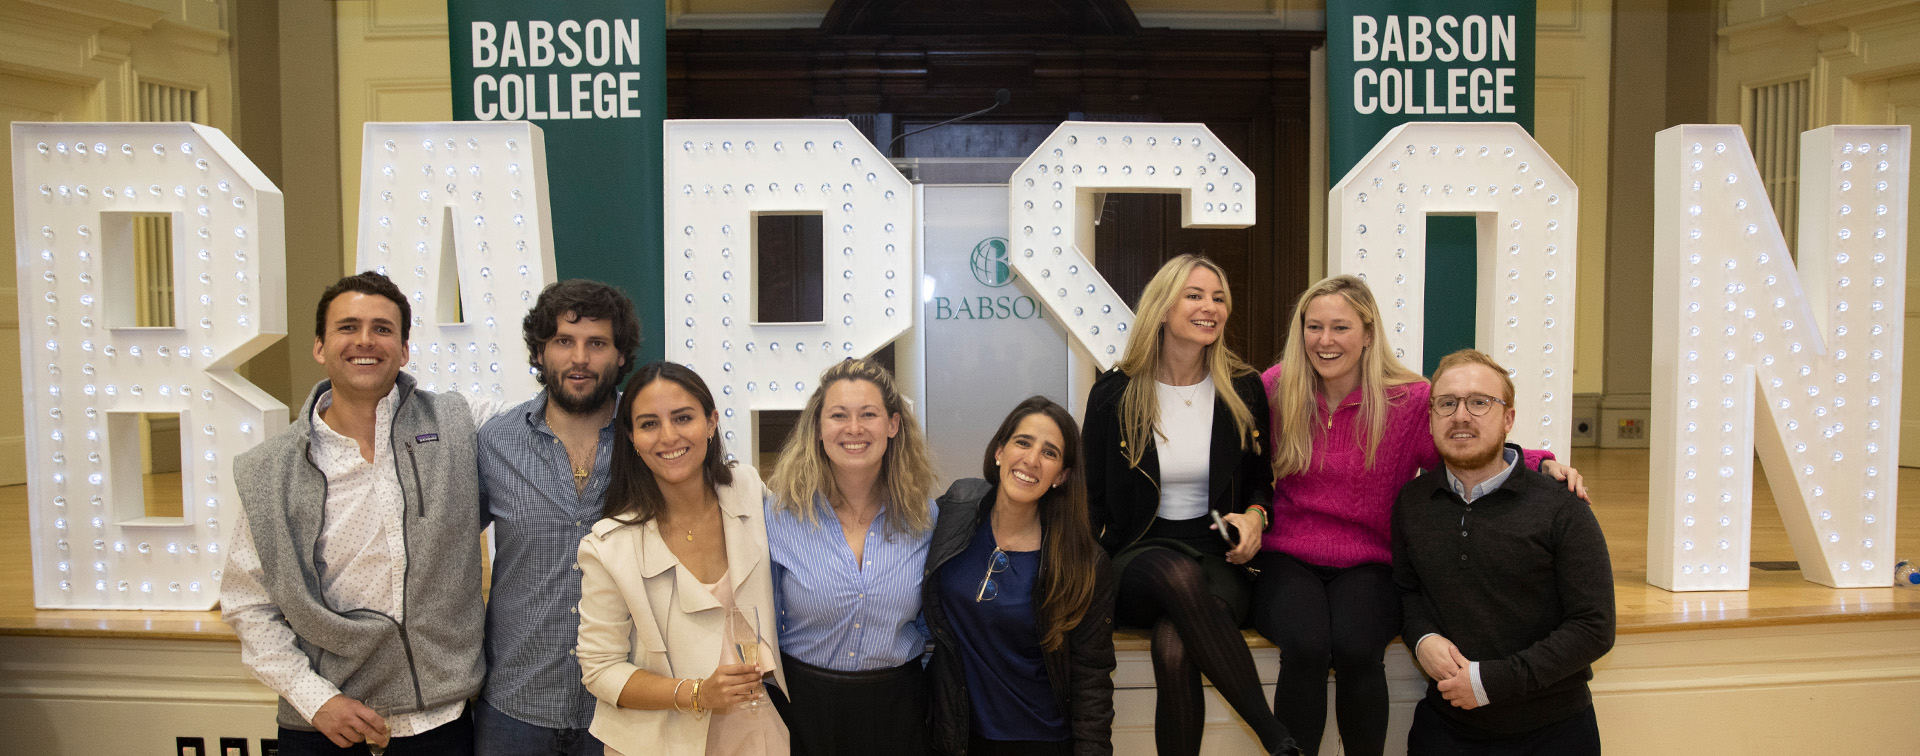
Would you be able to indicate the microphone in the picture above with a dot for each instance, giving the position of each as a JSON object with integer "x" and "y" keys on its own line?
{"x": 1000, "y": 97}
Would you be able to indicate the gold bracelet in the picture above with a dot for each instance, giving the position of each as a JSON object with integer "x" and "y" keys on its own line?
{"x": 698, "y": 710}
{"x": 676, "y": 694}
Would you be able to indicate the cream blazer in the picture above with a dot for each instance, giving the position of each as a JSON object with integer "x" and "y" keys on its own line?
{"x": 630, "y": 584}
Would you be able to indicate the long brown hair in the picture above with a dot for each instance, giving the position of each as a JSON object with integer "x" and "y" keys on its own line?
{"x": 1068, "y": 553}
{"x": 1295, "y": 396}
{"x": 906, "y": 469}
{"x": 1139, "y": 403}
{"x": 633, "y": 496}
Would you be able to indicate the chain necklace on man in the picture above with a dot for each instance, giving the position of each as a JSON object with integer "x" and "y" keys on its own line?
{"x": 582, "y": 472}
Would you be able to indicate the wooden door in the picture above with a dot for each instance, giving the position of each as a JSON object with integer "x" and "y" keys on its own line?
{"x": 1903, "y": 108}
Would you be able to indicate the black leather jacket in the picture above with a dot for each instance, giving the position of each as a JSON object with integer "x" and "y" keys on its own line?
{"x": 1080, "y": 672}
{"x": 1122, "y": 500}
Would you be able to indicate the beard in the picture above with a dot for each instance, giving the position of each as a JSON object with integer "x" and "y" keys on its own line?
{"x": 1475, "y": 458}
{"x": 596, "y": 398}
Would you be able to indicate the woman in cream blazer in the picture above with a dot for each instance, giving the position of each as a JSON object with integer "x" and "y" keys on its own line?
{"x": 651, "y": 632}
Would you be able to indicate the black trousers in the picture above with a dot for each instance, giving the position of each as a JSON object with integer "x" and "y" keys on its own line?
{"x": 1435, "y": 735}
{"x": 1329, "y": 617}
{"x": 877, "y": 713}
{"x": 454, "y": 738}
{"x": 979, "y": 746}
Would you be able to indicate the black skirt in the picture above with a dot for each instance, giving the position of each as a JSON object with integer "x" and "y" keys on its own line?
{"x": 833, "y": 713}
{"x": 1195, "y": 538}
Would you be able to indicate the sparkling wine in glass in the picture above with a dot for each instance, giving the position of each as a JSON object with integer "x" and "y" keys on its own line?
{"x": 743, "y": 635}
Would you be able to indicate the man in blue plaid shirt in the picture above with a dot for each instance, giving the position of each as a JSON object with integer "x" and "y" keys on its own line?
{"x": 543, "y": 476}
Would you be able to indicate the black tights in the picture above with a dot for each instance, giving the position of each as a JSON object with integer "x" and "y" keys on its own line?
{"x": 1323, "y": 617}
{"x": 1192, "y": 634}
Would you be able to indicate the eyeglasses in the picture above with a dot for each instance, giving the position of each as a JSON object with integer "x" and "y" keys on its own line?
{"x": 989, "y": 590}
{"x": 1478, "y": 404}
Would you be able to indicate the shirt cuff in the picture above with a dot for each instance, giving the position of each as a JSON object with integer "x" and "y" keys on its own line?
{"x": 308, "y": 695}
{"x": 1479, "y": 690}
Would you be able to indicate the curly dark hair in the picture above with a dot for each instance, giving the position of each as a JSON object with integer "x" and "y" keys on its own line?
{"x": 370, "y": 283}
{"x": 582, "y": 299}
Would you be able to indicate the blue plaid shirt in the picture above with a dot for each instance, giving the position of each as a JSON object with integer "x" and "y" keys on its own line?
{"x": 533, "y": 615}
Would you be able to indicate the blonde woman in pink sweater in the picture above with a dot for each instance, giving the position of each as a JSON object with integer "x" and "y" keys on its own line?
{"x": 1347, "y": 435}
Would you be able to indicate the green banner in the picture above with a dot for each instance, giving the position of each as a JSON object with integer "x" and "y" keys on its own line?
{"x": 592, "y": 75}
{"x": 1394, "y": 61}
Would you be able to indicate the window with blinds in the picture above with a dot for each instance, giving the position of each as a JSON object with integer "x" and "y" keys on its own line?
{"x": 1775, "y": 116}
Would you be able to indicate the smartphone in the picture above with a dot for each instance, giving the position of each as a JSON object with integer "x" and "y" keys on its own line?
{"x": 1227, "y": 533}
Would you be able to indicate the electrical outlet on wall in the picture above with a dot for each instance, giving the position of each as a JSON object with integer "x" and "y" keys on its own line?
{"x": 1586, "y": 420}
{"x": 269, "y": 747}
{"x": 1623, "y": 427}
{"x": 1583, "y": 430}
{"x": 233, "y": 747}
{"x": 185, "y": 746}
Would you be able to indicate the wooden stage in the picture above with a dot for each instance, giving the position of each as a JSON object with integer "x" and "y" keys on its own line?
{"x": 1776, "y": 647}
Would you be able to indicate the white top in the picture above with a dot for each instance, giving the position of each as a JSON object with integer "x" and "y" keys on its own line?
{"x": 362, "y": 555}
{"x": 1184, "y": 445}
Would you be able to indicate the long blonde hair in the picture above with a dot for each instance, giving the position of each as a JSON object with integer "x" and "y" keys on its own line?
{"x": 1139, "y": 405}
{"x": 906, "y": 470}
{"x": 1295, "y": 397}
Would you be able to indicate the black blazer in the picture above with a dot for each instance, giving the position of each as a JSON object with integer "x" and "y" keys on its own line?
{"x": 1080, "y": 672}
{"x": 1122, "y": 500}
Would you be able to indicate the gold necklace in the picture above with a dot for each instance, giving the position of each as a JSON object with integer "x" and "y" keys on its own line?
{"x": 663, "y": 520}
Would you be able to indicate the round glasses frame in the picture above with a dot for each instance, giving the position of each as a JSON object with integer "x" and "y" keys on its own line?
{"x": 1477, "y": 405}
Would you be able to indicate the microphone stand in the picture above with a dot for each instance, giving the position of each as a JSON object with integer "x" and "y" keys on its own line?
{"x": 1000, "y": 97}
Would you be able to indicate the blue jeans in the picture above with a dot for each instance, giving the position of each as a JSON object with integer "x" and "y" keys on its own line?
{"x": 498, "y": 734}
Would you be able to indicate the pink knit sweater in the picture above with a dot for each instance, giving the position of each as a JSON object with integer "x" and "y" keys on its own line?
{"x": 1337, "y": 513}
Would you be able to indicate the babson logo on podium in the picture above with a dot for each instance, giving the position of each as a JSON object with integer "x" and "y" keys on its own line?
{"x": 994, "y": 269}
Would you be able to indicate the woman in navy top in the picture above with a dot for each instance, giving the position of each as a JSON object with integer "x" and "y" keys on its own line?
{"x": 1019, "y": 598}
{"x": 848, "y": 520}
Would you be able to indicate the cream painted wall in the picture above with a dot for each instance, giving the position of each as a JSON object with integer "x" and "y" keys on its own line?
{"x": 1573, "y": 76}
{"x": 1861, "y": 61}
{"x": 86, "y": 65}
{"x": 393, "y": 67}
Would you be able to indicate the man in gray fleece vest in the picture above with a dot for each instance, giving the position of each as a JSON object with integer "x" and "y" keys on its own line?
{"x": 1505, "y": 582}
{"x": 354, "y": 579}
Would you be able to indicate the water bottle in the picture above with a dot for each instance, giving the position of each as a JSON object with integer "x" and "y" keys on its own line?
{"x": 1906, "y": 574}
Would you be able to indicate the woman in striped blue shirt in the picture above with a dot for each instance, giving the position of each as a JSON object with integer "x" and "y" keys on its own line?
{"x": 847, "y": 598}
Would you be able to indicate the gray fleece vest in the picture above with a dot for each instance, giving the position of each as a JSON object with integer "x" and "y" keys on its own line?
{"x": 434, "y": 657}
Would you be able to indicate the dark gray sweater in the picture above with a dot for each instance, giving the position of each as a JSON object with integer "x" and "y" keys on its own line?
{"x": 1519, "y": 580}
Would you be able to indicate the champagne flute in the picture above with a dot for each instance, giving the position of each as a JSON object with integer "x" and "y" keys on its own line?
{"x": 743, "y": 635}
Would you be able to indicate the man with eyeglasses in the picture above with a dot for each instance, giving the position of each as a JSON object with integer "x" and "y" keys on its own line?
{"x": 1505, "y": 583}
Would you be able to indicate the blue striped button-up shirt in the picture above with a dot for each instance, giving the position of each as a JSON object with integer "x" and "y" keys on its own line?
{"x": 533, "y": 620}
{"x": 840, "y": 615}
